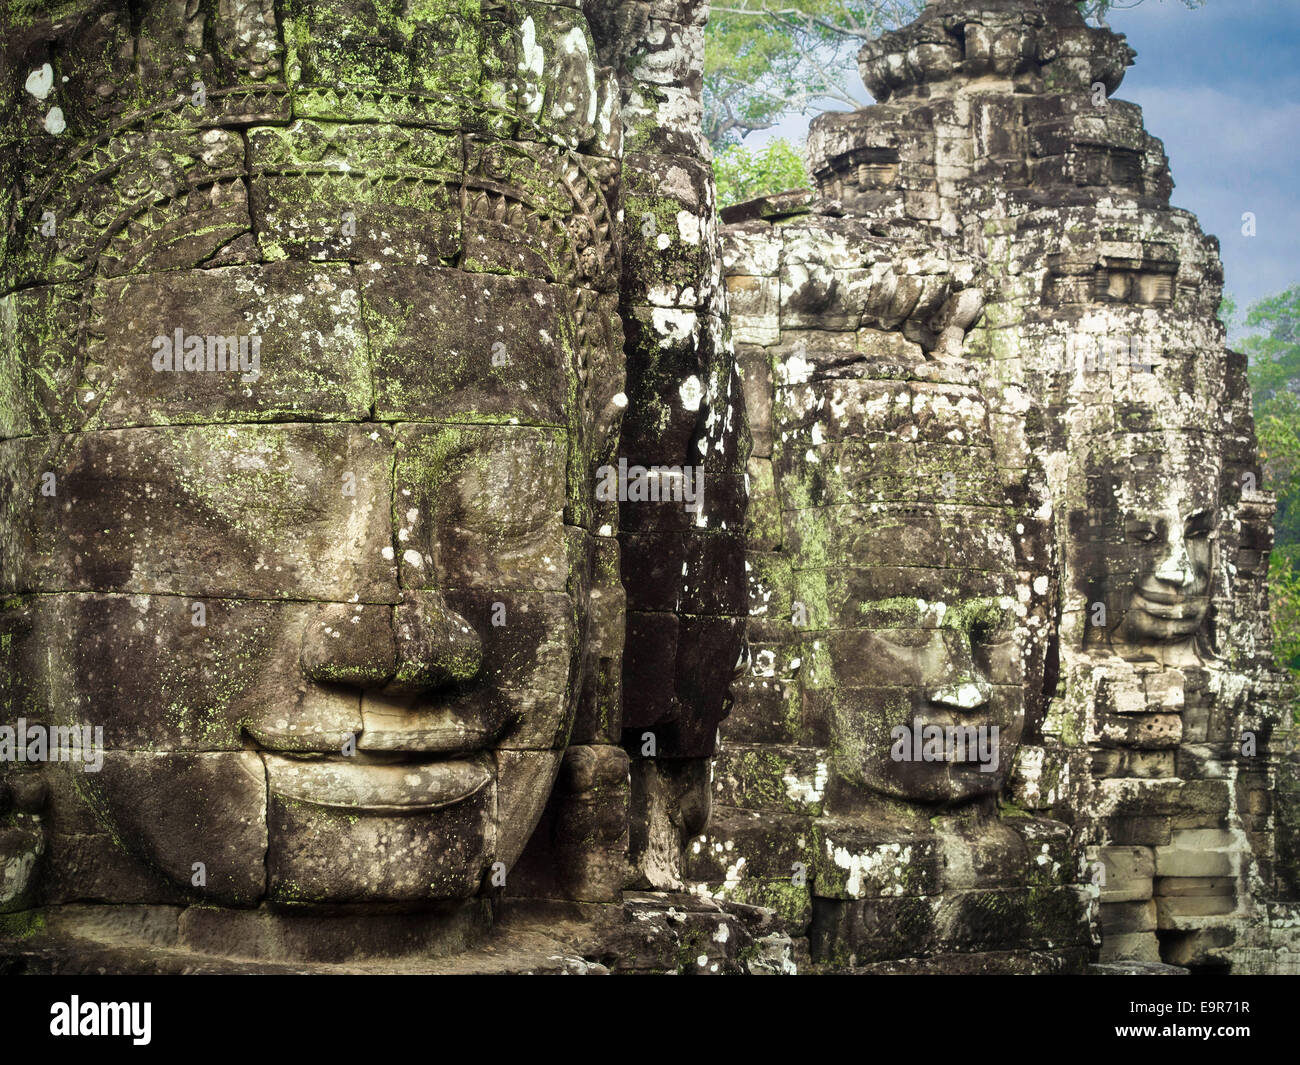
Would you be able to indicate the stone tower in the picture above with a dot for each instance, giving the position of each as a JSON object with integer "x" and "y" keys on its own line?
{"x": 1085, "y": 325}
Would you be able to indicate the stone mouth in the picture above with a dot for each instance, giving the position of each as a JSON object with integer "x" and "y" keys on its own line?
{"x": 1170, "y": 606}
{"x": 376, "y": 787}
{"x": 954, "y": 757}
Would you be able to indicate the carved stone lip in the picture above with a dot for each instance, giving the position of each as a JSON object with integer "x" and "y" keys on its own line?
{"x": 397, "y": 723}
{"x": 399, "y": 788}
{"x": 1169, "y": 605}
{"x": 441, "y": 740}
{"x": 946, "y": 719}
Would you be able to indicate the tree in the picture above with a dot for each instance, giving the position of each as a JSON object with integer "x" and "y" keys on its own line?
{"x": 765, "y": 60}
{"x": 744, "y": 175}
{"x": 1099, "y": 9}
{"x": 1274, "y": 356}
{"x": 1278, "y": 428}
{"x": 1284, "y": 602}
{"x": 1274, "y": 353}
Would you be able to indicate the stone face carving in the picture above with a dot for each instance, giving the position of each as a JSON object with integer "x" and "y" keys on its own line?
{"x": 1093, "y": 353}
{"x": 899, "y": 577}
{"x": 322, "y": 344}
{"x": 902, "y": 571}
{"x": 326, "y": 330}
{"x": 390, "y": 612}
{"x": 1155, "y": 542}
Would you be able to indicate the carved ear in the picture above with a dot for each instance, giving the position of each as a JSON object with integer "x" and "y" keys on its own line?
{"x": 598, "y": 365}
{"x": 24, "y": 788}
{"x": 22, "y": 835}
{"x": 601, "y": 371}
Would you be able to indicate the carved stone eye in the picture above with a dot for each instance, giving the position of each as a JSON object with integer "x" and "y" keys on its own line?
{"x": 991, "y": 634}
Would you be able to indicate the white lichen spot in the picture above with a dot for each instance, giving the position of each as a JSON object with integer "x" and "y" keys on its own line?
{"x": 692, "y": 393}
{"x": 805, "y": 791}
{"x": 688, "y": 227}
{"x": 40, "y": 82}
{"x": 888, "y": 860}
{"x": 673, "y": 325}
{"x": 796, "y": 370}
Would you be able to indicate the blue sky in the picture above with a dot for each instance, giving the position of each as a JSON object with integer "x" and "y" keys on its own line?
{"x": 1220, "y": 85}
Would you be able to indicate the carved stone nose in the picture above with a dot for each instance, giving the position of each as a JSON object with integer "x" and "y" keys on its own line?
{"x": 436, "y": 647}
{"x": 963, "y": 686}
{"x": 418, "y": 645}
{"x": 351, "y": 644}
{"x": 969, "y": 693}
{"x": 1176, "y": 568}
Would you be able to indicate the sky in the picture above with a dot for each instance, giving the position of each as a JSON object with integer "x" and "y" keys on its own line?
{"x": 1220, "y": 85}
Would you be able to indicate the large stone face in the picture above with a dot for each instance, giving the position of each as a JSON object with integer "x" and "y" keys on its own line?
{"x": 314, "y": 327}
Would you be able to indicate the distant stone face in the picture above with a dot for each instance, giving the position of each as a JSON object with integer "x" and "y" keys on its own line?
{"x": 899, "y": 613}
{"x": 1042, "y": 438}
{"x": 896, "y": 526}
{"x": 1154, "y": 544}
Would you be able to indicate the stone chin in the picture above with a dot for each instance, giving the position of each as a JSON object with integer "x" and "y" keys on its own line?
{"x": 334, "y": 836}
{"x": 300, "y": 831}
{"x": 343, "y": 831}
{"x": 937, "y": 782}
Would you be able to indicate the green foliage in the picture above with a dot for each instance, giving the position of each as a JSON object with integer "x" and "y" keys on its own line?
{"x": 764, "y": 60}
{"x": 1275, "y": 355}
{"x": 1277, "y": 423}
{"x": 744, "y": 175}
{"x": 1274, "y": 352}
{"x": 1227, "y": 311}
{"x": 1284, "y": 597}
